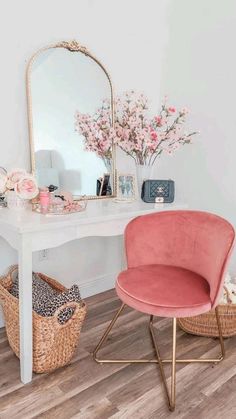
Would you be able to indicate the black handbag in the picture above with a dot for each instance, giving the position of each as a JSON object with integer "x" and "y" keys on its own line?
{"x": 162, "y": 191}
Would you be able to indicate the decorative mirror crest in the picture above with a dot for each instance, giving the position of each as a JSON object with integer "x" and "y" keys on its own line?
{"x": 72, "y": 46}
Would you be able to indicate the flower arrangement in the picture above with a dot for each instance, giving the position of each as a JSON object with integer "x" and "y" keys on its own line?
{"x": 97, "y": 131}
{"x": 18, "y": 180}
{"x": 144, "y": 138}
{"x": 135, "y": 132}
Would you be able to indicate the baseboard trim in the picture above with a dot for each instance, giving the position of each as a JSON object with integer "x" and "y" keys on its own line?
{"x": 99, "y": 284}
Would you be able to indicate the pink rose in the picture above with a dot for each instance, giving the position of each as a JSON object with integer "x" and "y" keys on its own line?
{"x": 171, "y": 109}
{"x": 26, "y": 187}
{"x": 13, "y": 177}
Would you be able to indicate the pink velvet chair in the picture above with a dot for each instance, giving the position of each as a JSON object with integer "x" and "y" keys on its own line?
{"x": 176, "y": 266}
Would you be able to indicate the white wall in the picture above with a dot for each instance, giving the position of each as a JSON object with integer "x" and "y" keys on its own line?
{"x": 198, "y": 71}
{"x": 183, "y": 48}
{"x": 199, "y": 68}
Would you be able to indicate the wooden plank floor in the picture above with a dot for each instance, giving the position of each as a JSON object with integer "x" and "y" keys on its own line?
{"x": 87, "y": 390}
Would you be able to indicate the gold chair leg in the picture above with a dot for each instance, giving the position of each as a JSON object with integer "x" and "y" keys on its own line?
{"x": 155, "y": 360}
{"x": 173, "y": 369}
{"x": 171, "y": 396}
{"x": 116, "y": 361}
{"x": 104, "y": 337}
{"x": 220, "y": 335}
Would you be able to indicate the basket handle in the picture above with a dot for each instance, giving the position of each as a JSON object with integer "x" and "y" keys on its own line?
{"x": 10, "y": 271}
{"x": 72, "y": 304}
{"x": 7, "y": 276}
{"x": 229, "y": 301}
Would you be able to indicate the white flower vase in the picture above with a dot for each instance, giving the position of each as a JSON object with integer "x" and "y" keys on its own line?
{"x": 143, "y": 173}
{"x": 14, "y": 202}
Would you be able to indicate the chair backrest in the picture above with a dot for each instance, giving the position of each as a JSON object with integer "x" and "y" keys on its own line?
{"x": 194, "y": 240}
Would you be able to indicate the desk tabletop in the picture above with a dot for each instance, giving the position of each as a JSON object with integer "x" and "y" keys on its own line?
{"x": 97, "y": 211}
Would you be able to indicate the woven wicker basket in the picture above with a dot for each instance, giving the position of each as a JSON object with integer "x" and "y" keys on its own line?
{"x": 205, "y": 324}
{"x": 53, "y": 343}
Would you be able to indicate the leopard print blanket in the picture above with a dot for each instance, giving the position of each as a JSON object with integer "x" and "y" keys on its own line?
{"x": 46, "y": 300}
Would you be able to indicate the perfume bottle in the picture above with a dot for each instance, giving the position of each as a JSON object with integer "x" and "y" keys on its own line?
{"x": 44, "y": 199}
{"x": 56, "y": 204}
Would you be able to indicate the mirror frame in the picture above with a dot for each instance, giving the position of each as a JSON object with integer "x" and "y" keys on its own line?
{"x": 72, "y": 46}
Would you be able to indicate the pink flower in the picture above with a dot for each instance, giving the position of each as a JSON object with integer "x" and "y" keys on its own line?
{"x": 153, "y": 135}
{"x": 134, "y": 132}
{"x": 26, "y": 187}
{"x": 13, "y": 177}
{"x": 159, "y": 120}
{"x": 184, "y": 111}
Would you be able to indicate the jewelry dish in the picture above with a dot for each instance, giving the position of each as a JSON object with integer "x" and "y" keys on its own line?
{"x": 75, "y": 206}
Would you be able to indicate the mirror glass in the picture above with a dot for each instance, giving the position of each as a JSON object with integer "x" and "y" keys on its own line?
{"x": 66, "y": 90}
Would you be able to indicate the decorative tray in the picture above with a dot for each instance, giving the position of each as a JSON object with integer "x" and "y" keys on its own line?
{"x": 75, "y": 206}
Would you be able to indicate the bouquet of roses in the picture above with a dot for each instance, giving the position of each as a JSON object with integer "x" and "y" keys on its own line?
{"x": 18, "y": 180}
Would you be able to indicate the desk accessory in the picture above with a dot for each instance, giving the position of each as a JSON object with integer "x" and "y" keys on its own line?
{"x": 125, "y": 187}
{"x": 50, "y": 202}
{"x": 59, "y": 208}
{"x": 158, "y": 191}
{"x": 44, "y": 200}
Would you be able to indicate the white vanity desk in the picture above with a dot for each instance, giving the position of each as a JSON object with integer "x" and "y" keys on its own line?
{"x": 28, "y": 232}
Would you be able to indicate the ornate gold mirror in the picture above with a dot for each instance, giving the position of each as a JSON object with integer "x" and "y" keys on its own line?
{"x": 71, "y": 117}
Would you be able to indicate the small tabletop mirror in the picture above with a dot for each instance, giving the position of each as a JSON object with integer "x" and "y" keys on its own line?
{"x": 71, "y": 115}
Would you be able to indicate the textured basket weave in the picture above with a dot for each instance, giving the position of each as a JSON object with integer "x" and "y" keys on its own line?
{"x": 53, "y": 343}
{"x": 205, "y": 324}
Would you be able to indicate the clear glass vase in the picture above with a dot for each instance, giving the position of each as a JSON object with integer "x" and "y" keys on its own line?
{"x": 14, "y": 202}
{"x": 143, "y": 172}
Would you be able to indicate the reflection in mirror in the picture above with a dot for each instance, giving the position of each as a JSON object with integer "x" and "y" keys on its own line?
{"x": 66, "y": 87}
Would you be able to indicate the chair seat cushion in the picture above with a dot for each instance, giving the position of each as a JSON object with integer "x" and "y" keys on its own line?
{"x": 163, "y": 290}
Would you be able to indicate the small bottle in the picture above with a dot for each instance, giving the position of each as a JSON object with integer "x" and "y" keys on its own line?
{"x": 52, "y": 189}
{"x": 44, "y": 198}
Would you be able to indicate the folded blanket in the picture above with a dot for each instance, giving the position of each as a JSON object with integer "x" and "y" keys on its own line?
{"x": 46, "y": 300}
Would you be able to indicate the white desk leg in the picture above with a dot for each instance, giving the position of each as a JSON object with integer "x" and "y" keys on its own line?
{"x": 25, "y": 307}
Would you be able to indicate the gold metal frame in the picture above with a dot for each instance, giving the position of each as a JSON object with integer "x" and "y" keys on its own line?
{"x": 171, "y": 395}
{"x": 72, "y": 46}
